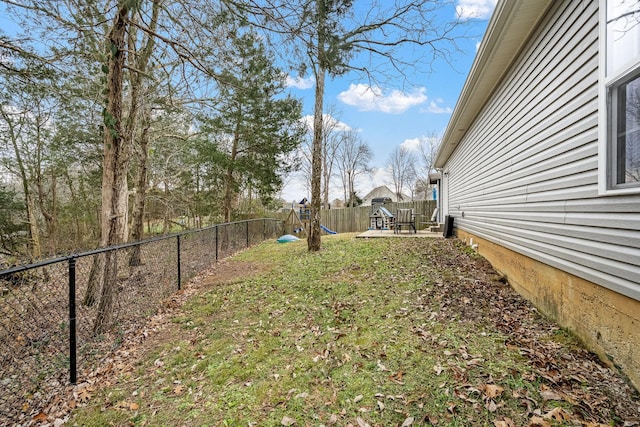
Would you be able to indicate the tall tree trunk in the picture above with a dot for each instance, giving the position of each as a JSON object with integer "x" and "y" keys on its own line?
{"x": 345, "y": 190}
{"x": 52, "y": 216}
{"x": 48, "y": 213}
{"x": 352, "y": 191}
{"x": 325, "y": 172}
{"x": 139, "y": 201}
{"x": 228, "y": 193}
{"x": 34, "y": 233}
{"x": 137, "y": 222}
{"x": 33, "y": 245}
{"x": 74, "y": 202}
{"x": 166, "y": 226}
{"x": 229, "y": 183}
{"x": 48, "y": 210}
{"x": 94, "y": 281}
{"x": 115, "y": 167}
{"x": 313, "y": 238}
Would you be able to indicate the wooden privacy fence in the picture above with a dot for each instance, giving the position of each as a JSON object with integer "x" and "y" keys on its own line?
{"x": 346, "y": 220}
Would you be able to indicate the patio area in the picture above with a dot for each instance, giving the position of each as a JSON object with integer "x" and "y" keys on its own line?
{"x": 403, "y": 233}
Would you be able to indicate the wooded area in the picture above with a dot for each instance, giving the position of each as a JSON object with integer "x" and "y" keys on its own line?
{"x": 117, "y": 113}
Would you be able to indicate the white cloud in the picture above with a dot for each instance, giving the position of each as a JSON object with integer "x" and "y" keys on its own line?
{"x": 300, "y": 82}
{"x": 435, "y": 108}
{"x": 329, "y": 120}
{"x": 294, "y": 190}
{"x": 373, "y": 98}
{"x": 478, "y": 9}
{"x": 378, "y": 176}
{"x": 413, "y": 144}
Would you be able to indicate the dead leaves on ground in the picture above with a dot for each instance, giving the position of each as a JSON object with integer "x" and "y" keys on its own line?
{"x": 573, "y": 386}
{"x": 287, "y": 421}
{"x": 126, "y": 405}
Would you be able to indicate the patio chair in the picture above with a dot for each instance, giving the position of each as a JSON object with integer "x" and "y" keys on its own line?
{"x": 405, "y": 218}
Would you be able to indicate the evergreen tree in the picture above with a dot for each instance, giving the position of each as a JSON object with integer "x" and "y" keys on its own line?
{"x": 255, "y": 126}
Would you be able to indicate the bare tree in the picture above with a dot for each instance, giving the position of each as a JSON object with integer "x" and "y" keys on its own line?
{"x": 332, "y": 137}
{"x": 428, "y": 149}
{"x": 402, "y": 165}
{"x": 353, "y": 158}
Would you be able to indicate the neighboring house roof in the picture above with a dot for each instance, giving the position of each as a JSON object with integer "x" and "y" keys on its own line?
{"x": 510, "y": 26}
{"x": 380, "y": 192}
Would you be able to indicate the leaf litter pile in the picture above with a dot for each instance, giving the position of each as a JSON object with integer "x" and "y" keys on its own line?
{"x": 379, "y": 332}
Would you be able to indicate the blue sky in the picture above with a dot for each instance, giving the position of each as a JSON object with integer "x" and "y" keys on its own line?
{"x": 388, "y": 116}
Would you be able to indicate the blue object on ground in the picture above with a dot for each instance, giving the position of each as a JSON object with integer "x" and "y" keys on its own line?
{"x": 287, "y": 238}
{"x": 325, "y": 229}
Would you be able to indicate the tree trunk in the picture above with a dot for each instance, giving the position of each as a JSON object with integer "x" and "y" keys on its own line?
{"x": 74, "y": 202}
{"x": 33, "y": 245}
{"x": 34, "y": 234}
{"x": 137, "y": 226}
{"x": 137, "y": 223}
{"x": 94, "y": 281}
{"x": 49, "y": 214}
{"x": 228, "y": 194}
{"x": 313, "y": 238}
{"x": 325, "y": 172}
{"x": 229, "y": 183}
{"x": 115, "y": 167}
{"x": 166, "y": 217}
{"x": 352, "y": 191}
{"x": 345, "y": 190}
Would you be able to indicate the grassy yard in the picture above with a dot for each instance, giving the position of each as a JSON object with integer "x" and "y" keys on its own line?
{"x": 379, "y": 332}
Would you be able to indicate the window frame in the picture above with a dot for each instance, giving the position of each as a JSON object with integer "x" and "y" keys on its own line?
{"x": 608, "y": 114}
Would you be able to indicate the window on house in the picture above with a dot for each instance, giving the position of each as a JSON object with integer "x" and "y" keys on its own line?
{"x": 622, "y": 81}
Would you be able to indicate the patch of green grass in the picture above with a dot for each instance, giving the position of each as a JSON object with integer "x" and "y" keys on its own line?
{"x": 353, "y": 331}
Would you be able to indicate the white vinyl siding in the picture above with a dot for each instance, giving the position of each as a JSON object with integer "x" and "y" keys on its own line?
{"x": 525, "y": 175}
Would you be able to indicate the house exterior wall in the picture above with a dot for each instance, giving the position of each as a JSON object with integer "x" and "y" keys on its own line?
{"x": 524, "y": 180}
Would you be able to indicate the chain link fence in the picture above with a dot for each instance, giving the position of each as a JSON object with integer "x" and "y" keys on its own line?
{"x": 49, "y": 310}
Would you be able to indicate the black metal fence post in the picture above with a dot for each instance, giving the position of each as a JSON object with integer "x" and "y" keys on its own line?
{"x": 73, "y": 369}
{"x": 179, "y": 275}
{"x": 246, "y": 227}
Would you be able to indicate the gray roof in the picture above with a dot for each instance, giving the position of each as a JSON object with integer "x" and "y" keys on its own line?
{"x": 382, "y": 191}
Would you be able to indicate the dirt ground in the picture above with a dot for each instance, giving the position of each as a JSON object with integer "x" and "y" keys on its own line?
{"x": 572, "y": 373}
